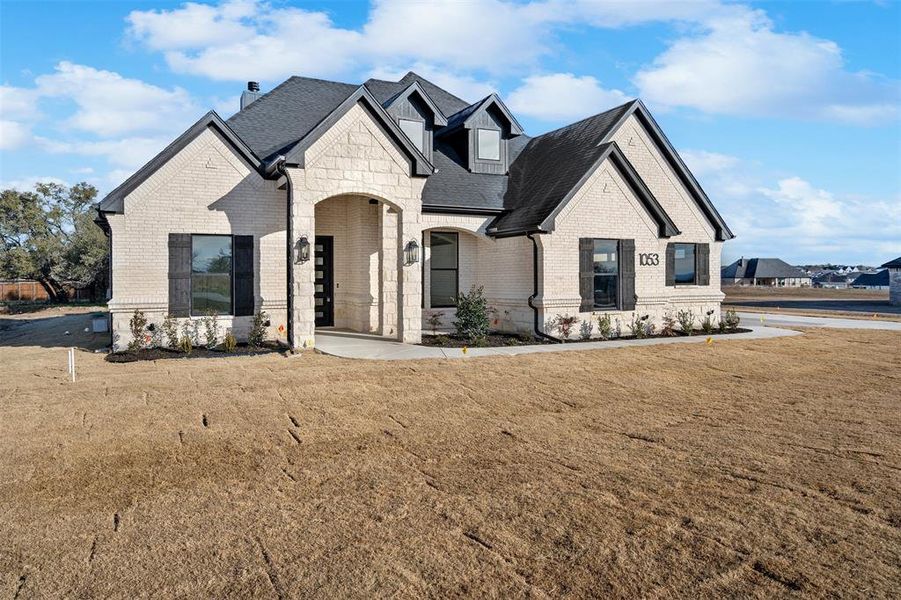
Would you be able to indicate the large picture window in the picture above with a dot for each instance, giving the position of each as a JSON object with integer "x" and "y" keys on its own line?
{"x": 211, "y": 274}
{"x": 489, "y": 144}
{"x": 606, "y": 273}
{"x": 443, "y": 269}
{"x": 685, "y": 265}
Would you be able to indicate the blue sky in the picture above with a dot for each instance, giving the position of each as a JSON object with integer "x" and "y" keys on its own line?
{"x": 788, "y": 113}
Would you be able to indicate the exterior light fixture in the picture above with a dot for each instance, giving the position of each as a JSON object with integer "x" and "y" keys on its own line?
{"x": 303, "y": 250}
{"x": 411, "y": 253}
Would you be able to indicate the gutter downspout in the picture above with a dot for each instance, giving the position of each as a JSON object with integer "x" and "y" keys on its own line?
{"x": 534, "y": 295}
{"x": 289, "y": 249}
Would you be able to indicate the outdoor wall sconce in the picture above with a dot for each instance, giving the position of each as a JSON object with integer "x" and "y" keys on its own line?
{"x": 411, "y": 253}
{"x": 303, "y": 250}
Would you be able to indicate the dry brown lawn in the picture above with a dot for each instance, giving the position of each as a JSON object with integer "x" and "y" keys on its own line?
{"x": 742, "y": 469}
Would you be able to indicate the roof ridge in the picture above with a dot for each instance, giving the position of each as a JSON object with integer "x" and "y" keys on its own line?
{"x": 589, "y": 118}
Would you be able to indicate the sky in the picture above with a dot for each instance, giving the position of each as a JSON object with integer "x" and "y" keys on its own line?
{"x": 788, "y": 113}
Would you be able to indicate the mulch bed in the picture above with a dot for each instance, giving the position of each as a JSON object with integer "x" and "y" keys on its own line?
{"x": 497, "y": 340}
{"x": 127, "y": 356}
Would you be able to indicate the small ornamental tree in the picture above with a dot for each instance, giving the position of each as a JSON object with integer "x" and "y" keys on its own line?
{"x": 258, "y": 329}
{"x": 137, "y": 324}
{"x": 472, "y": 315}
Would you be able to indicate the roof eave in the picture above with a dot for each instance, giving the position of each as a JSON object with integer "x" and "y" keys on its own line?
{"x": 439, "y": 117}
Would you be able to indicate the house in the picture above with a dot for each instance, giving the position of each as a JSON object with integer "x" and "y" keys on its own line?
{"x": 894, "y": 269}
{"x": 833, "y": 280}
{"x": 872, "y": 281}
{"x": 370, "y": 207}
{"x": 769, "y": 272}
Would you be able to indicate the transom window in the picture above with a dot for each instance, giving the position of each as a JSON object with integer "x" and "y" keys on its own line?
{"x": 606, "y": 273}
{"x": 211, "y": 274}
{"x": 489, "y": 144}
{"x": 686, "y": 265}
{"x": 415, "y": 130}
{"x": 443, "y": 268}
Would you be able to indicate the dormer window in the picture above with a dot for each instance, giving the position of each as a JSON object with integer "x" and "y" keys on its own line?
{"x": 415, "y": 130}
{"x": 489, "y": 144}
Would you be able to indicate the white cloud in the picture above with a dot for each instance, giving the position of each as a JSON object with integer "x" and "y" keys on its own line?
{"x": 740, "y": 65}
{"x": 26, "y": 184}
{"x": 563, "y": 96}
{"x": 13, "y": 134}
{"x": 192, "y": 25}
{"x": 108, "y": 104}
{"x": 128, "y": 153}
{"x": 464, "y": 87}
{"x": 702, "y": 162}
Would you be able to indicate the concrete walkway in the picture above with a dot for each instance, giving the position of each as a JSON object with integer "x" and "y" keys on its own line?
{"x": 748, "y": 319}
{"x": 372, "y": 347}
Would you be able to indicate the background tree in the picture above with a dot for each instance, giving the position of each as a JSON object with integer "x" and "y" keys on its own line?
{"x": 49, "y": 235}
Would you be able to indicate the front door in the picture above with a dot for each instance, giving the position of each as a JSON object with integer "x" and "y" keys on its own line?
{"x": 324, "y": 295}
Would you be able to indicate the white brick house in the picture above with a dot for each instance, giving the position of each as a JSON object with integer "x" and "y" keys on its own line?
{"x": 371, "y": 207}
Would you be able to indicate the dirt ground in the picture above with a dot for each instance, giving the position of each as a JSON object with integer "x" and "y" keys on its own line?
{"x": 823, "y": 302}
{"x": 735, "y": 469}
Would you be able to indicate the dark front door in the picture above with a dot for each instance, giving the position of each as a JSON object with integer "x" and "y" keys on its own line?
{"x": 324, "y": 260}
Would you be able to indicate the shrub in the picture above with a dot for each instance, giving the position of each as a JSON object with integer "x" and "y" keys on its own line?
{"x": 669, "y": 324}
{"x": 137, "y": 324}
{"x": 211, "y": 329}
{"x": 442, "y": 340}
{"x": 258, "y": 329}
{"x": 195, "y": 333}
{"x": 434, "y": 321}
{"x": 638, "y": 325}
{"x": 564, "y": 324}
{"x": 585, "y": 329}
{"x": 229, "y": 343}
{"x": 605, "y": 326}
{"x": 686, "y": 320}
{"x": 472, "y": 315}
{"x": 731, "y": 320}
{"x": 184, "y": 343}
{"x": 170, "y": 330}
{"x": 707, "y": 323}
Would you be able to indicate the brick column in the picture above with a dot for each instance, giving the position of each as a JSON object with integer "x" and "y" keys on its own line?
{"x": 388, "y": 287}
{"x": 303, "y": 223}
{"x": 409, "y": 279}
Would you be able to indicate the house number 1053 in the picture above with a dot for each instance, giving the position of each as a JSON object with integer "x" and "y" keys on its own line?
{"x": 649, "y": 260}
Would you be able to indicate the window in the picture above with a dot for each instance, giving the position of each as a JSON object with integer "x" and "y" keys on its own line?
{"x": 606, "y": 273}
{"x": 211, "y": 274}
{"x": 489, "y": 142}
{"x": 443, "y": 271}
{"x": 415, "y": 130}
{"x": 685, "y": 264}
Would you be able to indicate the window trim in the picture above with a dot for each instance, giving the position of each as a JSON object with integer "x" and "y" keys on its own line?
{"x": 456, "y": 235}
{"x": 694, "y": 280}
{"x": 618, "y": 302}
{"x": 479, "y": 145}
{"x": 421, "y": 145}
{"x": 231, "y": 276}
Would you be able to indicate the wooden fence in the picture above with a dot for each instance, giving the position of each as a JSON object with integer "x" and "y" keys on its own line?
{"x": 28, "y": 290}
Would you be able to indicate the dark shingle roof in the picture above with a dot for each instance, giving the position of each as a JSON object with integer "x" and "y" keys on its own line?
{"x": 549, "y": 168}
{"x": 283, "y": 116}
{"x": 872, "y": 279}
{"x": 762, "y": 268}
{"x": 385, "y": 90}
{"x": 893, "y": 264}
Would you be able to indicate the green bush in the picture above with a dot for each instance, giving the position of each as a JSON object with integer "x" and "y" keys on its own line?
{"x": 640, "y": 326}
{"x": 185, "y": 343}
{"x": 472, "y": 315}
{"x": 605, "y": 326}
{"x": 730, "y": 320}
{"x": 257, "y": 334}
{"x": 211, "y": 329}
{"x": 229, "y": 343}
{"x": 707, "y": 323}
{"x": 668, "y": 328}
{"x": 170, "y": 330}
{"x": 137, "y": 324}
{"x": 686, "y": 320}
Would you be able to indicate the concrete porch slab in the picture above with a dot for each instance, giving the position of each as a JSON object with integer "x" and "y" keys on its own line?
{"x": 372, "y": 347}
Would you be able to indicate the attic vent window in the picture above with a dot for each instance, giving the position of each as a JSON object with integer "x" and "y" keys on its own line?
{"x": 489, "y": 142}
{"x": 414, "y": 130}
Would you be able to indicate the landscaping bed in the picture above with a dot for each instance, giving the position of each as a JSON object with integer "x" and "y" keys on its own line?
{"x": 127, "y": 356}
{"x": 498, "y": 340}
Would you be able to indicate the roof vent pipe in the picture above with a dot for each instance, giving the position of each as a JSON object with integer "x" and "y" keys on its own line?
{"x": 250, "y": 94}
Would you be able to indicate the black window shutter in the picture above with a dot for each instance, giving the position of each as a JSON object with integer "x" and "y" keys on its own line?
{"x": 244, "y": 297}
{"x": 180, "y": 274}
{"x": 586, "y": 274}
{"x": 702, "y": 256}
{"x": 670, "y": 264}
{"x": 627, "y": 273}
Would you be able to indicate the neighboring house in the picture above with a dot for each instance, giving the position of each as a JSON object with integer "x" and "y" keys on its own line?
{"x": 894, "y": 270}
{"x": 769, "y": 272}
{"x": 368, "y": 207}
{"x": 872, "y": 281}
{"x": 831, "y": 280}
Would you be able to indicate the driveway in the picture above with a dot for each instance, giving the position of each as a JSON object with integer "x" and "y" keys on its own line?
{"x": 748, "y": 318}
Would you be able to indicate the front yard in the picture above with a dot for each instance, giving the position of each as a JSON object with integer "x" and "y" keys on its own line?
{"x": 738, "y": 468}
